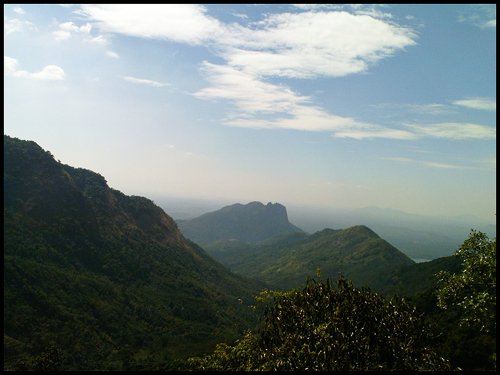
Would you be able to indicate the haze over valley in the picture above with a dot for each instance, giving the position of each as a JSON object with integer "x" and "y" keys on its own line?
{"x": 246, "y": 103}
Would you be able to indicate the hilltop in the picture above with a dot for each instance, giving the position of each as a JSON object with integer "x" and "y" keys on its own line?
{"x": 285, "y": 262}
{"x": 252, "y": 223}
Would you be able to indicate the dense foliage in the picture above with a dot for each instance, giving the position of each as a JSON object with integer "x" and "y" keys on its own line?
{"x": 356, "y": 252}
{"x": 471, "y": 293}
{"x": 323, "y": 328}
{"x": 97, "y": 280}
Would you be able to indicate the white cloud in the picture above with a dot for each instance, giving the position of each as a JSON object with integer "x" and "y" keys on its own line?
{"x": 305, "y": 44}
{"x": 402, "y": 109}
{"x": 142, "y": 81}
{"x": 480, "y": 15}
{"x": 295, "y": 45}
{"x": 48, "y": 73}
{"x": 19, "y": 10}
{"x": 185, "y": 23}
{"x": 426, "y": 163}
{"x": 67, "y": 29}
{"x": 316, "y": 6}
{"x": 455, "y": 131}
{"x": 429, "y": 109}
{"x": 486, "y": 104}
{"x": 9, "y": 65}
{"x": 249, "y": 94}
{"x": 12, "y": 25}
{"x": 308, "y": 118}
{"x": 398, "y": 158}
{"x": 112, "y": 54}
{"x": 253, "y": 98}
{"x": 443, "y": 165}
{"x": 311, "y": 44}
{"x": 376, "y": 131}
{"x": 490, "y": 24}
{"x": 240, "y": 15}
{"x": 60, "y": 35}
{"x": 99, "y": 40}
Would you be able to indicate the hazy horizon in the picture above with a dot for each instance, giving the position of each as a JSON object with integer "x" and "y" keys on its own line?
{"x": 332, "y": 106}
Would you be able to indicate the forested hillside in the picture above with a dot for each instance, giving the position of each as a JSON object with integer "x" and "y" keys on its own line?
{"x": 285, "y": 262}
{"x": 95, "y": 279}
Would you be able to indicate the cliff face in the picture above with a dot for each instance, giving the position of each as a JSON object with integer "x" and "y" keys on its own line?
{"x": 253, "y": 222}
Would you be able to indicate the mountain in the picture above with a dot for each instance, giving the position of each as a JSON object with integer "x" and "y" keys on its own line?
{"x": 356, "y": 252}
{"x": 417, "y": 236}
{"x": 252, "y": 223}
{"x": 97, "y": 280}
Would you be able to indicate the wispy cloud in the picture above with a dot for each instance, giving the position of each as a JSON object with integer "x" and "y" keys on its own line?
{"x": 478, "y": 165}
{"x": 9, "y": 65}
{"x": 248, "y": 93}
{"x": 425, "y": 163}
{"x": 67, "y": 29}
{"x": 443, "y": 165}
{"x": 99, "y": 40}
{"x": 373, "y": 10}
{"x": 376, "y": 131}
{"x": 147, "y": 82}
{"x": 305, "y": 44}
{"x": 486, "y": 104}
{"x": 48, "y": 73}
{"x": 112, "y": 54}
{"x": 480, "y": 15}
{"x": 312, "y": 44}
{"x": 453, "y": 130}
{"x": 12, "y": 25}
{"x": 422, "y": 109}
{"x": 19, "y": 10}
{"x": 184, "y": 23}
{"x": 302, "y": 45}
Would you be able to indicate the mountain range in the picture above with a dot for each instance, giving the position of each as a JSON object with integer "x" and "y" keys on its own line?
{"x": 418, "y": 236}
{"x": 287, "y": 259}
{"x": 98, "y": 280}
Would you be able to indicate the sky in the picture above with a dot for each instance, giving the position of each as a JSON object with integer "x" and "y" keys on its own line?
{"x": 341, "y": 106}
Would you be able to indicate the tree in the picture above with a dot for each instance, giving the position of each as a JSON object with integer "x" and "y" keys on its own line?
{"x": 472, "y": 291}
{"x": 324, "y": 328}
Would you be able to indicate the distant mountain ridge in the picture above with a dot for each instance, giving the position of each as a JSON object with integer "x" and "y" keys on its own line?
{"x": 252, "y": 223}
{"x": 418, "y": 236}
{"x": 107, "y": 278}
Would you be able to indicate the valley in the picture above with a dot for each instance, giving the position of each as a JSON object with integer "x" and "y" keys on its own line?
{"x": 96, "y": 279}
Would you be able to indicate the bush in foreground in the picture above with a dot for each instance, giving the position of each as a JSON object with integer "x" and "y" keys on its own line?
{"x": 323, "y": 328}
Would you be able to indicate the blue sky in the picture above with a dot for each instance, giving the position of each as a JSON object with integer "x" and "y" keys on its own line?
{"x": 343, "y": 106}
